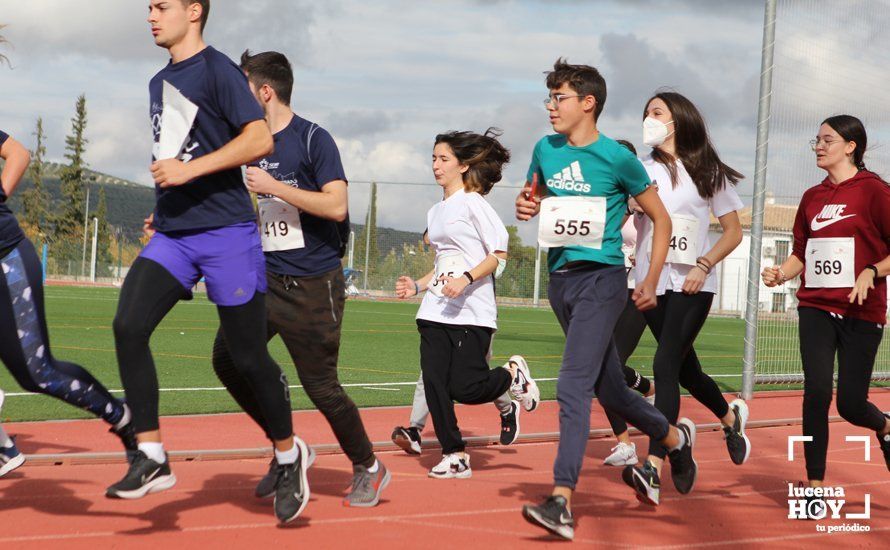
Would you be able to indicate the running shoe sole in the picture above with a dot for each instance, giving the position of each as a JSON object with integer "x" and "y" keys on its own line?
{"x": 12, "y": 464}
{"x": 404, "y": 441}
{"x": 158, "y": 484}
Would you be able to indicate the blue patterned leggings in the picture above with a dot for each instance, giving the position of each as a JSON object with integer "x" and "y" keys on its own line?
{"x": 24, "y": 340}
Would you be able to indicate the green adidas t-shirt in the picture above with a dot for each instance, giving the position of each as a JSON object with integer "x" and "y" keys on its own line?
{"x": 604, "y": 168}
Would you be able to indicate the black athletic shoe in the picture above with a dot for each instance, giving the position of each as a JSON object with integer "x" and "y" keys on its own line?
{"x": 737, "y": 442}
{"x": 552, "y": 515}
{"x": 683, "y": 466}
{"x": 266, "y": 487}
{"x": 144, "y": 476}
{"x": 884, "y": 441}
{"x": 408, "y": 439}
{"x": 292, "y": 487}
{"x": 510, "y": 424}
{"x": 127, "y": 435}
{"x": 645, "y": 481}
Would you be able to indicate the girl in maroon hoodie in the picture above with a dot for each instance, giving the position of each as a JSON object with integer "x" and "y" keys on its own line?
{"x": 842, "y": 252}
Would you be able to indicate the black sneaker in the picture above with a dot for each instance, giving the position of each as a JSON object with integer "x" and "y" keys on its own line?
{"x": 144, "y": 476}
{"x": 266, "y": 487}
{"x": 683, "y": 466}
{"x": 552, "y": 515}
{"x": 645, "y": 481}
{"x": 292, "y": 486}
{"x": 408, "y": 439}
{"x": 737, "y": 442}
{"x": 510, "y": 424}
{"x": 884, "y": 441}
{"x": 127, "y": 435}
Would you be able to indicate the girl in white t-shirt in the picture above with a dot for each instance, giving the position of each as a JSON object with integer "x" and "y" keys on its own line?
{"x": 692, "y": 183}
{"x": 458, "y": 315}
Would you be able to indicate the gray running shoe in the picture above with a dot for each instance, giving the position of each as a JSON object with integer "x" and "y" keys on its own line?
{"x": 367, "y": 486}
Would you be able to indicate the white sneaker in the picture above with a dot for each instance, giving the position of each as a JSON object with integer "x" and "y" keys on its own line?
{"x": 524, "y": 388}
{"x": 623, "y": 454}
{"x": 452, "y": 466}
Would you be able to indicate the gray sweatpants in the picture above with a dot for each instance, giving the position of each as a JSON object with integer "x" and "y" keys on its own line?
{"x": 587, "y": 303}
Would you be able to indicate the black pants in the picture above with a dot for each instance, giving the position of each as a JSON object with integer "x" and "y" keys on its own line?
{"x": 454, "y": 365}
{"x": 628, "y": 332}
{"x": 24, "y": 340}
{"x": 675, "y": 322}
{"x": 307, "y": 312}
{"x": 855, "y": 343}
{"x": 148, "y": 294}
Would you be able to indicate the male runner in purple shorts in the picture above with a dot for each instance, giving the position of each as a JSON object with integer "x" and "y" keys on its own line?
{"x": 205, "y": 226}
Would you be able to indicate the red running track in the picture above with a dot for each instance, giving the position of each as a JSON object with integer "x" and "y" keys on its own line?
{"x": 212, "y": 505}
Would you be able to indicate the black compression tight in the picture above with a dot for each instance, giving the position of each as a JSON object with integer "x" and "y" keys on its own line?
{"x": 148, "y": 294}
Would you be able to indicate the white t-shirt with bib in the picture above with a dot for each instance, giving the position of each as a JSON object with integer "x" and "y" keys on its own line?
{"x": 463, "y": 230}
{"x": 690, "y": 214}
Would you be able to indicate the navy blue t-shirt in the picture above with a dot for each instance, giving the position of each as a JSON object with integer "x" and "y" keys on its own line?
{"x": 306, "y": 157}
{"x": 10, "y": 232}
{"x": 219, "y": 88}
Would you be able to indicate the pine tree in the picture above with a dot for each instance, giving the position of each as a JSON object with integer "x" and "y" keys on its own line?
{"x": 104, "y": 258}
{"x": 69, "y": 223}
{"x": 36, "y": 201}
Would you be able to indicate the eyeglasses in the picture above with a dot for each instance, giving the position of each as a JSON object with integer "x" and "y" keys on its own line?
{"x": 824, "y": 143}
{"x": 556, "y": 98}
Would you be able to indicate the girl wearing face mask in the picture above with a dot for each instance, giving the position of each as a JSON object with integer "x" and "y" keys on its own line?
{"x": 841, "y": 251}
{"x": 693, "y": 183}
{"x": 458, "y": 315}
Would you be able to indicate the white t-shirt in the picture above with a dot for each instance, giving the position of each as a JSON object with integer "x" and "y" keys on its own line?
{"x": 628, "y": 247}
{"x": 683, "y": 200}
{"x": 464, "y": 224}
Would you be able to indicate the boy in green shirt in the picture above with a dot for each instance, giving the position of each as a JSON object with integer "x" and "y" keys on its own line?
{"x": 586, "y": 179}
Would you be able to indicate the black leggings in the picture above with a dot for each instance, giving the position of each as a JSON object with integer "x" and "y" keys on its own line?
{"x": 675, "y": 322}
{"x": 24, "y": 340}
{"x": 148, "y": 294}
{"x": 455, "y": 368}
{"x": 855, "y": 343}
{"x": 628, "y": 332}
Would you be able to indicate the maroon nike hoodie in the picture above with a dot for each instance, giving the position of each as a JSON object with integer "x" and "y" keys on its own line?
{"x": 860, "y": 208}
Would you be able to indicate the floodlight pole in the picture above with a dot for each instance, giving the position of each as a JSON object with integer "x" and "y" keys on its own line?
{"x": 763, "y": 115}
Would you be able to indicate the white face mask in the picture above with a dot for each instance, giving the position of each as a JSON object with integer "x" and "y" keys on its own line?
{"x": 655, "y": 131}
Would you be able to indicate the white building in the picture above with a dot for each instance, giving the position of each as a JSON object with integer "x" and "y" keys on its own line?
{"x": 732, "y": 272}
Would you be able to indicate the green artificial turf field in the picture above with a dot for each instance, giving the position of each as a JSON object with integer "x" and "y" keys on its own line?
{"x": 379, "y": 351}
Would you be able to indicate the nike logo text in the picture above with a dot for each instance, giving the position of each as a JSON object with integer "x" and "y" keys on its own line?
{"x": 831, "y": 213}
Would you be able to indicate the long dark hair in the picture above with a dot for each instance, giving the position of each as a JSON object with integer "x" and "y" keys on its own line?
{"x": 484, "y": 155}
{"x": 693, "y": 147}
{"x": 851, "y": 129}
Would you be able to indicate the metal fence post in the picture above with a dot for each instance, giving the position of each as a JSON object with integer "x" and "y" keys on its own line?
{"x": 763, "y": 115}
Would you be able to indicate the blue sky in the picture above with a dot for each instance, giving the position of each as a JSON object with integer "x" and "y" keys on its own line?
{"x": 385, "y": 77}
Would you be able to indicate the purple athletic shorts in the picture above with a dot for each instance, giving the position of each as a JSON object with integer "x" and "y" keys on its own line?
{"x": 230, "y": 259}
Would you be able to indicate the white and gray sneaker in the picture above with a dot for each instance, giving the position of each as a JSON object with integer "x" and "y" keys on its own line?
{"x": 524, "y": 388}
{"x": 623, "y": 454}
{"x": 453, "y": 465}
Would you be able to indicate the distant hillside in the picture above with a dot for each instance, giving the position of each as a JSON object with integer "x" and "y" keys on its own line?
{"x": 128, "y": 203}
